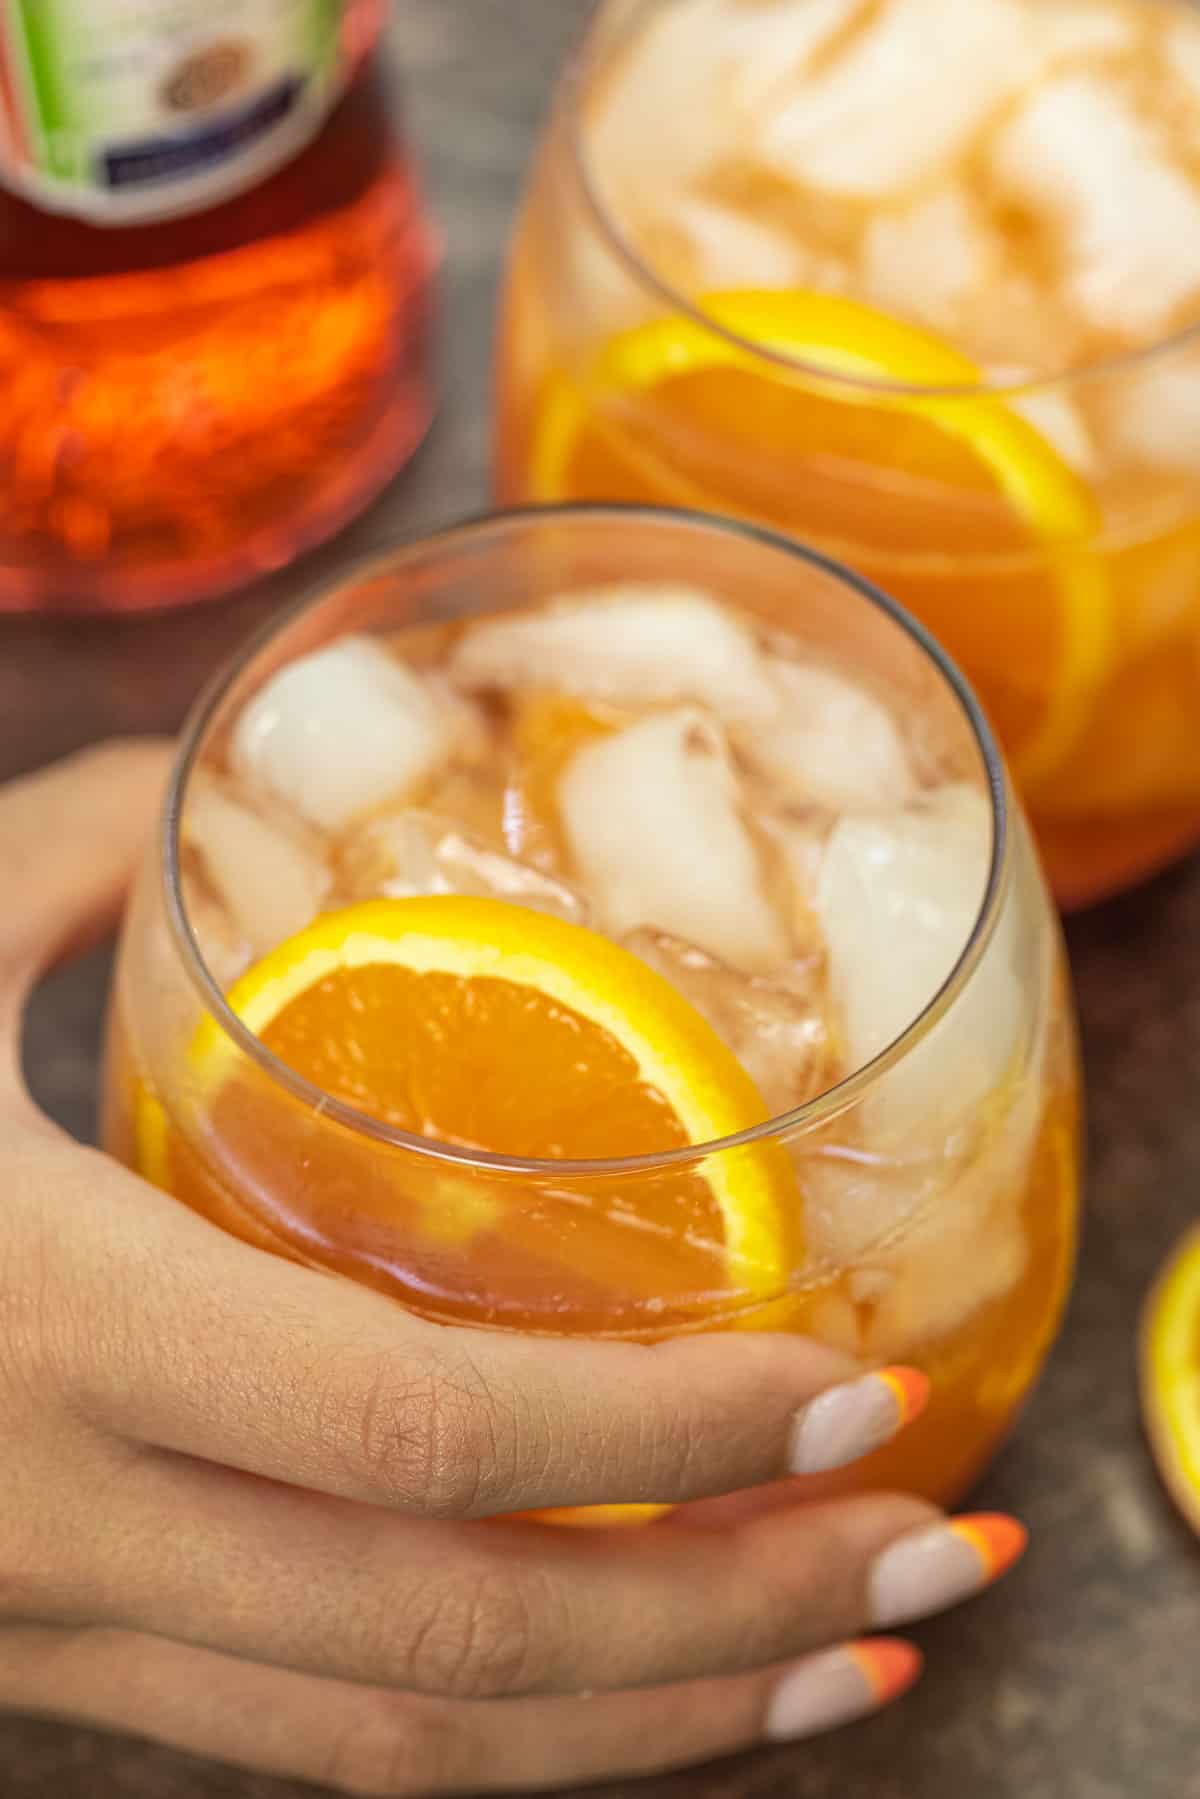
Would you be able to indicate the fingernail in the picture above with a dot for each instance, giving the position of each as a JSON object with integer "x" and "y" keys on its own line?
{"x": 930, "y": 1569}
{"x": 849, "y": 1421}
{"x": 843, "y": 1684}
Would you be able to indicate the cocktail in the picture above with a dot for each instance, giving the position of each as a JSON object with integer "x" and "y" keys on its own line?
{"x": 600, "y": 920}
{"x": 920, "y": 282}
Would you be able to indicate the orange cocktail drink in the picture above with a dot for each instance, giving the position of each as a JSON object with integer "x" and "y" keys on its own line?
{"x": 919, "y": 281}
{"x": 614, "y": 922}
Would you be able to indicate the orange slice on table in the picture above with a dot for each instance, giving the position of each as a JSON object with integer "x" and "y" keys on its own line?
{"x": 1170, "y": 1375}
{"x": 952, "y": 501}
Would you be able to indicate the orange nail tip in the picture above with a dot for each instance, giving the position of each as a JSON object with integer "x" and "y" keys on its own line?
{"x": 911, "y": 1389}
{"x": 998, "y": 1539}
{"x": 889, "y": 1665}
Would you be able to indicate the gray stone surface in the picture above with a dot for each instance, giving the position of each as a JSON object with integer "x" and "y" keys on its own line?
{"x": 1080, "y": 1677}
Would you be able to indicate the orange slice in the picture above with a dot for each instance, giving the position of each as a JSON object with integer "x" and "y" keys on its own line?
{"x": 488, "y": 1025}
{"x": 951, "y": 500}
{"x": 1170, "y": 1375}
{"x": 480, "y": 1023}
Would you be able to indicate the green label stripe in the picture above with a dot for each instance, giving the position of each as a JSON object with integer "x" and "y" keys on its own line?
{"x": 325, "y": 20}
{"x": 41, "y": 32}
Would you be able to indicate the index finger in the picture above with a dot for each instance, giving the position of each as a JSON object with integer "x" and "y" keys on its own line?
{"x": 70, "y": 838}
{"x": 218, "y": 1350}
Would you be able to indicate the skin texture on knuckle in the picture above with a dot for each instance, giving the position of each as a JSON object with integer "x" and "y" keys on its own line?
{"x": 472, "y": 1634}
{"x": 396, "y": 1748}
{"x": 436, "y": 1437}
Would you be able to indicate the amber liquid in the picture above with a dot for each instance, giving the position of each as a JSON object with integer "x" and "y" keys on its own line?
{"x": 1076, "y": 620}
{"x": 186, "y": 404}
{"x": 259, "y": 1166}
{"x": 1127, "y": 798}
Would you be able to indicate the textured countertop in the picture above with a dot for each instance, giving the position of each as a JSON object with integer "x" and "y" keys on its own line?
{"x": 1079, "y": 1678}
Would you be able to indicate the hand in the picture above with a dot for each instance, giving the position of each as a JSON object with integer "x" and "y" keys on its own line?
{"x": 235, "y": 1508}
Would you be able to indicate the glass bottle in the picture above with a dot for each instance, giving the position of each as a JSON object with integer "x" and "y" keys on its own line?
{"x": 215, "y": 275}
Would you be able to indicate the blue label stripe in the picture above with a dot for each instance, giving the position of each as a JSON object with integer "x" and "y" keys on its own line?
{"x": 146, "y": 161}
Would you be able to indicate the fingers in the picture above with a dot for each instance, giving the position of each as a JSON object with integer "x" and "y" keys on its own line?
{"x": 70, "y": 837}
{"x": 510, "y": 1610}
{"x": 301, "y": 1377}
{"x": 367, "y": 1741}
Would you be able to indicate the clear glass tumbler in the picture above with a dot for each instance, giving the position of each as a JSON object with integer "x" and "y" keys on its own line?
{"x": 918, "y": 1204}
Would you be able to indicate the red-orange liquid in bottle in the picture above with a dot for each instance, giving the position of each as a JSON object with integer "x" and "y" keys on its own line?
{"x": 214, "y": 293}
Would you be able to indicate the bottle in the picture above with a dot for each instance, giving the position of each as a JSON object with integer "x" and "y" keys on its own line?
{"x": 215, "y": 292}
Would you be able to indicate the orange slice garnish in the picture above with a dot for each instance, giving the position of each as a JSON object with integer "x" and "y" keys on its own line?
{"x": 962, "y": 489}
{"x": 1170, "y": 1375}
{"x": 480, "y": 1023}
{"x": 494, "y": 1027}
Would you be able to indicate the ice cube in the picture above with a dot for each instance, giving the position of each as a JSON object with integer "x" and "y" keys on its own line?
{"x": 966, "y": 1250}
{"x": 1080, "y": 157}
{"x": 651, "y": 816}
{"x": 470, "y": 867}
{"x": 344, "y": 729}
{"x": 269, "y": 883}
{"x": 857, "y": 1203}
{"x": 907, "y": 93}
{"x": 704, "y": 245}
{"x": 776, "y": 1026}
{"x": 400, "y": 854}
{"x": 968, "y": 1246}
{"x": 1079, "y": 30}
{"x": 928, "y": 1242}
{"x": 799, "y": 840}
{"x": 1153, "y": 415}
{"x": 923, "y": 259}
{"x": 1181, "y": 45}
{"x": 225, "y": 952}
{"x": 392, "y": 855}
{"x": 706, "y": 67}
{"x": 1053, "y": 414}
{"x": 898, "y": 899}
{"x": 776, "y": 44}
{"x": 827, "y": 741}
{"x": 635, "y": 645}
{"x": 1014, "y": 320}
{"x": 676, "y": 70}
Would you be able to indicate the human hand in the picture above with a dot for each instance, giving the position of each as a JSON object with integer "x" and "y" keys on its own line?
{"x": 239, "y": 1495}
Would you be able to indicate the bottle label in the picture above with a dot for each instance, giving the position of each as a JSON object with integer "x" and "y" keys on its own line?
{"x": 131, "y": 110}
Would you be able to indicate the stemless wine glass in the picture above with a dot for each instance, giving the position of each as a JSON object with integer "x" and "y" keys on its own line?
{"x": 915, "y": 327}
{"x": 907, "y": 1187}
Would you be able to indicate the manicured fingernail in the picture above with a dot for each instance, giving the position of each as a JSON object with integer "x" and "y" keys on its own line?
{"x": 839, "y": 1686}
{"x": 849, "y": 1421}
{"x": 930, "y": 1569}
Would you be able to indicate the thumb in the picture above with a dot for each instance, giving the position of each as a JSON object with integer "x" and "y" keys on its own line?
{"x": 71, "y": 836}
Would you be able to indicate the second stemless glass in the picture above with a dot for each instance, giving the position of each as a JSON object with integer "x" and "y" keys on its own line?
{"x": 935, "y": 1188}
{"x": 1070, "y": 596}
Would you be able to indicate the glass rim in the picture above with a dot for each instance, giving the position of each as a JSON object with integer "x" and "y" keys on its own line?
{"x": 825, "y": 1105}
{"x": 573, "y": 84}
